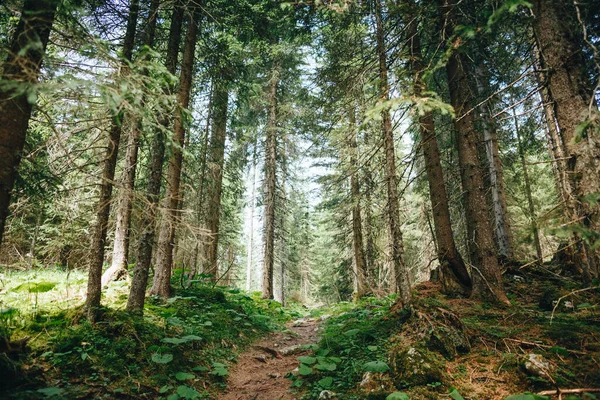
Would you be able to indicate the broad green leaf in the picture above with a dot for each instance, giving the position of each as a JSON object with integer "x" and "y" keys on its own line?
{"x": 174, "y": 340}
{"x": 162, "y": 358}
{"x": 455, "y": 395}
{"x": 326, "y": 383}
{"x": 326, "y": 366}
{"x": 190, "y": 338}
{"x": 526, "y": 396}
{"x": 307, "y": 360}
{"x": 50, "y": 391}
{"x": 374, "y": 348}
{"x": 305, "y": 370}
{"x": 184, "y": 376}
{"x": 397, "y": 396}
{"x": 352, "y": 332}
{"x": 186, "y": 392}
{"x": 165, "y": 389}
{"x": 376, "y": 366}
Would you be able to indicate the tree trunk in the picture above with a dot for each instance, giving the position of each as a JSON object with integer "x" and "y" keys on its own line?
{"x": 94, "y": 287}
{"x": 120, "y": 255}
{"x": 532, "y": 215}
{"x": 215, "y": 168}
{"x": 270, "y": 185}
{"x": 137, "y": 294}
{"x": 454, "y": 277}
{"x": 161, "y": 285}
{"x": 22, "y": 67}
{"x": 555, "y": 145}
{"x": 573, "y": 105}
{"x": 487, "y": 275}
{"x": 400, "y": 270}
{"x": 502, "y": 231}
{"x": 360, "y": 272}
{"x": 251, "y": 233}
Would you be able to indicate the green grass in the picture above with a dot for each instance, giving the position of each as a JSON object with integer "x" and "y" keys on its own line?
{"x": 180, "y": 348}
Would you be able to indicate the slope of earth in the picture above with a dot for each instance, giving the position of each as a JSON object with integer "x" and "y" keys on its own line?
{"x": 546, "y": 343}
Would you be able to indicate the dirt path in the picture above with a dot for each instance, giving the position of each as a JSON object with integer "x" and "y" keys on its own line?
{"x": 260, "y": 372}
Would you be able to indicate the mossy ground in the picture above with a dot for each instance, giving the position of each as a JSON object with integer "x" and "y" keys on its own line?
{"x": 179, "y": 349}
{"x": 500, "y": 340}
{"x": 182, "y": 348}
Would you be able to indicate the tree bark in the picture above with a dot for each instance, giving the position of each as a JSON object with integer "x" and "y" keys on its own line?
{"x": 17, "y": 90}
{"x": 454, "y": 277}
{"x": 573, "y": 104}
{"x": 400, "y": 270}
{"x": 215, "y": 168}
{"x": 502, "y": 231}
{"x": 94, "y": 287}
{"x": 120, "y": 254}
{"x": 270, "y": 185}
{"x": 527, "y": 181}
{"x": 250, "y": 248}
{"x": 487, "y": 275}
{"x": 360, "y": 272}
{"x": 161, "y": 285}
{"x": 137, "y": 293}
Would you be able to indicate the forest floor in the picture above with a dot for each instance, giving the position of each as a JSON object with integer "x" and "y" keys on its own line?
{"x": 262, "y": 372}
{"x": 221, "y": 343}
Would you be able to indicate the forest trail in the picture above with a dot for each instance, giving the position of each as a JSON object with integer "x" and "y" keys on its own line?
{"x": 260, "y": 373}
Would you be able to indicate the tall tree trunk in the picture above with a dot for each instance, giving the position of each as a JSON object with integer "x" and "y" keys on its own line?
{"x": 120, "y": 253}
{"x": 502, "y": 231}
{"x": 281, "y": 240}
{"x": 532, "y": 215}
{"x": 161, "y": 285}
{"x": 200, "y": 209}
{"x": 250, "y": 248}
{"x": 400, "y": 270}
{"x": 360, "y": 269}
{"x": 270, "y": 185}
{"x": 487, "y": 275}
{"x": 555, "y": 145}
{"x": 215, "y": 184}
{"x": 573, "y": 105}
{"x": 454, "y": 277}
{"x": 22, "y": 67}
{"x": 94, "y": 287}
{"x": 137, "y": 294}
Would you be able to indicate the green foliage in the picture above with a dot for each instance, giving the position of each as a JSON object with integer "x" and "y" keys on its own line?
{"x": 158, "y": 349}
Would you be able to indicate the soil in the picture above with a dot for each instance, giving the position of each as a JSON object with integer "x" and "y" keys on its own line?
{"x": 260, "y": 373}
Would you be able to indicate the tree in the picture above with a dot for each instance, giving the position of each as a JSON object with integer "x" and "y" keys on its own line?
{"x": 216, "y": 159}
{"x": 135, "y": 302}
{"x": 120, "y": 253}
{"x": 567, "y": 82}
{"x": 94, "y": 287}
{"x": 487, "y": 276}
{"x": 454, "y": 274}
{"x": 20, "y": 72}
{"x": 161, "y": 285}
{"x": 270, "y": 181}
{"x": 400, "y": 271}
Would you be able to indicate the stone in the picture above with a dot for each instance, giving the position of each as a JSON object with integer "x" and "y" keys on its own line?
{"x": 415, "y": 366}
{"x": 376, "y": 383}
{"x": 537, "y": 365}
{"x": 327, "y": 394}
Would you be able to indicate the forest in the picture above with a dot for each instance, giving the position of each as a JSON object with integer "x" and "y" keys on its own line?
{"x": 308, "y": 199}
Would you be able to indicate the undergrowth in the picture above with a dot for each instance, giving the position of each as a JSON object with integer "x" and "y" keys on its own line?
{"x": 179, "y": 349}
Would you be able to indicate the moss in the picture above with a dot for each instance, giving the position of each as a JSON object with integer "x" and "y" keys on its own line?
{"x": 415, "y": 366}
